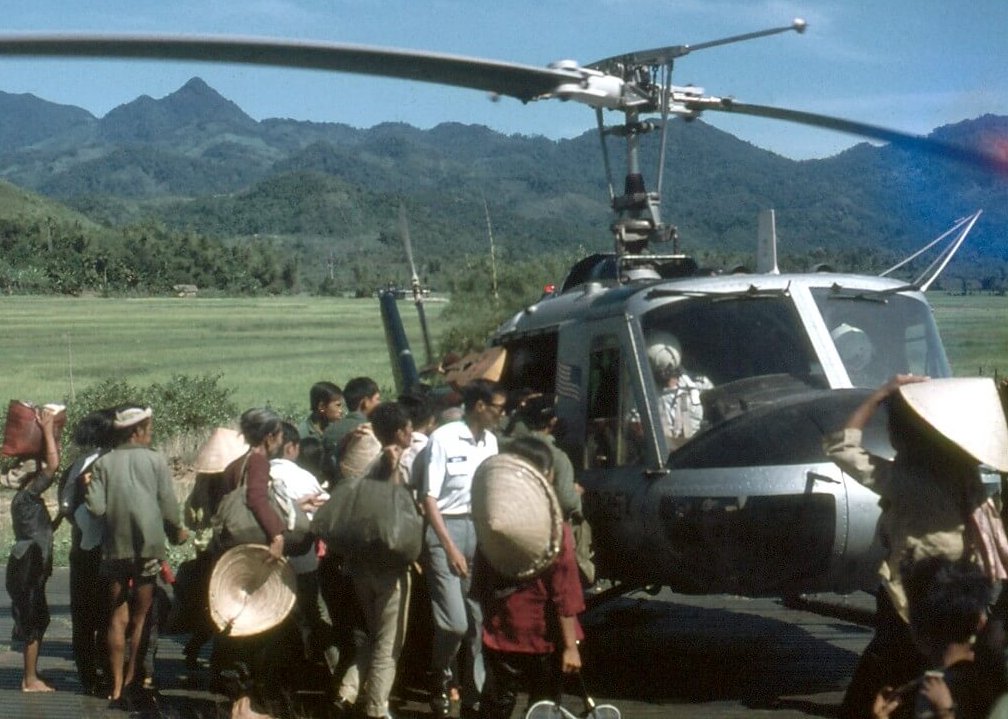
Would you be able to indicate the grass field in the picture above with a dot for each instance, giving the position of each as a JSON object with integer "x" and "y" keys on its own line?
{"x": 975, "y": 331}
{"x": 269, "y": 350}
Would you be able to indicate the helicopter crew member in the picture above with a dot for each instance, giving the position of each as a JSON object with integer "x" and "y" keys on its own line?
{"x": 456, "y": 450}
{"x": 679, "y": 407}
{"x": 933, "y": 503}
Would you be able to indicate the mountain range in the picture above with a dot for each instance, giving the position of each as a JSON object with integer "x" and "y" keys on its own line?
{"x": 194, "y": 161}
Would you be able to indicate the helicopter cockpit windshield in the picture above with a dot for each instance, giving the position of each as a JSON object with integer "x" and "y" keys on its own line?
{"x": 879, "y": 336}
{"x": 726, "y": 340}
{"x": 714, "y": 357}
{"x": 705, "y": 348}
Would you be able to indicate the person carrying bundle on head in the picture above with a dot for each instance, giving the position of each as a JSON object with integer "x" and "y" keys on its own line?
{"x": 30, "y": 563}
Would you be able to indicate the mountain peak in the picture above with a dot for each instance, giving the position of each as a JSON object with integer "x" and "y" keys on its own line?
{"x": 195, "y": 105}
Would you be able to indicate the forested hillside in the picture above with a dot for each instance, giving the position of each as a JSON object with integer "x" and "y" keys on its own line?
{"x": 190, "y": 189}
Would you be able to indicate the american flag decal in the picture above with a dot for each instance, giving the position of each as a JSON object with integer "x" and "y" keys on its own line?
{"x": 568, "y": 381}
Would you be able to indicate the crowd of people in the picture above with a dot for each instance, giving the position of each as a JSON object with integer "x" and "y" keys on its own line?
{"x": 353, "y": 609}
{"x": 489, "y": 625}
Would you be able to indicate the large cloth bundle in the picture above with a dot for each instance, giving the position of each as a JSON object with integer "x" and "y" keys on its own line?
{"x": 360, "y": 448}
{"x": 22, "y": 431}
{"x": 371, "y": 520}
{"x": 223, "y": 446}
{"x": 519, "y": 523}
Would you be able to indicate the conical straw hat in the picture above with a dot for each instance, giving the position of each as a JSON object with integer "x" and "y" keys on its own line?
{"x": 249, "y": 592}
{"x": 966, "y": 411}
{"x": 519, "y": 524}
{"x": 221, "y": 449}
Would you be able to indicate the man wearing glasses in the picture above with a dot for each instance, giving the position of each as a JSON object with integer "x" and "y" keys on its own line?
{"x": 456, "y": 450}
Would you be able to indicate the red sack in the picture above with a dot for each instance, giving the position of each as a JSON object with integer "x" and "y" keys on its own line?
{"x": 22, "y": 431}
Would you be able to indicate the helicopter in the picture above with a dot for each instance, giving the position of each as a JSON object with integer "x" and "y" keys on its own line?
{"x": 747, "y": 503}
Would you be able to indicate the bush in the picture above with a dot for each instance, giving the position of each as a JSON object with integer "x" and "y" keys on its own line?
{"x": 183, "y": 405}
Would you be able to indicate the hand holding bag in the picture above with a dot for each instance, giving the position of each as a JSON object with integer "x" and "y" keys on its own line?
{"x": 234, "y": 523}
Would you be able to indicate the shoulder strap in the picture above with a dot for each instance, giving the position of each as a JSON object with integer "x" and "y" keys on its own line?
{"x": 244, "y": 470}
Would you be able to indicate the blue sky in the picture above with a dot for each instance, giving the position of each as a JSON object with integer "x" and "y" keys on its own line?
{"x": 908, "y": 64}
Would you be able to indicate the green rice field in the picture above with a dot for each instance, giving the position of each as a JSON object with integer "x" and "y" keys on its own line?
{"x": 270, "y": 350}
{"x": 975, "y": 331}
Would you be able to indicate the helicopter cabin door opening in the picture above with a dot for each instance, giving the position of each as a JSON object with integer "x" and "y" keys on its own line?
{"x": 609, "y": 432}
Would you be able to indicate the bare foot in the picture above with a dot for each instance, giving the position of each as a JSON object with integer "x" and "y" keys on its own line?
{"x": 36, "y": 685}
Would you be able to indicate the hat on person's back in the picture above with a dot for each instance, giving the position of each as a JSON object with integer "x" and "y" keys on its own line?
{"x": 518, "y": 520}
{"x": 965, "y": 410}
{"x": 249, "y": 591}
{"x": 222, "y": 448}
{"x": 131, "y": 416}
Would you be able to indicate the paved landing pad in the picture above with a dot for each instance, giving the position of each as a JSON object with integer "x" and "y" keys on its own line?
{"x": 662, "y": 656}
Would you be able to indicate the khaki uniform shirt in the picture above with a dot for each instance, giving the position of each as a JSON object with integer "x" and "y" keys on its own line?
{"x": 921, "y": 516}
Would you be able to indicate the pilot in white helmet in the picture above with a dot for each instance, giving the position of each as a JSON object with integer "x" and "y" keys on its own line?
{"x": 679, "y": 394}
{"x": 855, "y": 350}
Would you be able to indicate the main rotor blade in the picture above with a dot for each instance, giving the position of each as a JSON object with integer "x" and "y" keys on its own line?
{"x": 897, "y": 138}
{"x": 665, "y": 55}
{"x": 524, "y": 82}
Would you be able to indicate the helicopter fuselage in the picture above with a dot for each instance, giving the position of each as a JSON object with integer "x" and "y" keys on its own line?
{"x": 749, "y": 503}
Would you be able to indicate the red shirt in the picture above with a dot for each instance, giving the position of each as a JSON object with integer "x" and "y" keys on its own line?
{"x": 521, "y": 616}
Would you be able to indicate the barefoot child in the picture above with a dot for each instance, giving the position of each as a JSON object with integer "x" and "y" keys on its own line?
{"x": 30, "y": 562}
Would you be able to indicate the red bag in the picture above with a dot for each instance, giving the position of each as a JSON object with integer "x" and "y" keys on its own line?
{"x": 22, "y": 431}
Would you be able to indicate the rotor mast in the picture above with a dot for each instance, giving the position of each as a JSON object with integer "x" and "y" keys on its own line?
{"x": 646, "y": 87}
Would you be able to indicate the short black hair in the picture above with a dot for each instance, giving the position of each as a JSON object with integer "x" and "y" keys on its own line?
{"x": 357, "y": 390}
{"x": 291, "y": 435}
{"x": 534, "y": 451}
{"x": 387, "y": 419}
{"x": 537, "y": 411}
{"x": 419, "y": 408}
{"x": 95, "y": 430}
{"x": 946, "y": 598}
{"x": 312, "y": 457}
{"x": 479, "y": 390}
{"x": 323, "y": 393}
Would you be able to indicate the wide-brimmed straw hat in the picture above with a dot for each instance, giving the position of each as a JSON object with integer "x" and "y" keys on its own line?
{"x": 249, "y": 592}
{"x": 965, "y": 410}
{"x": 222, "y": 448}
{"x": 519, "y": 523}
